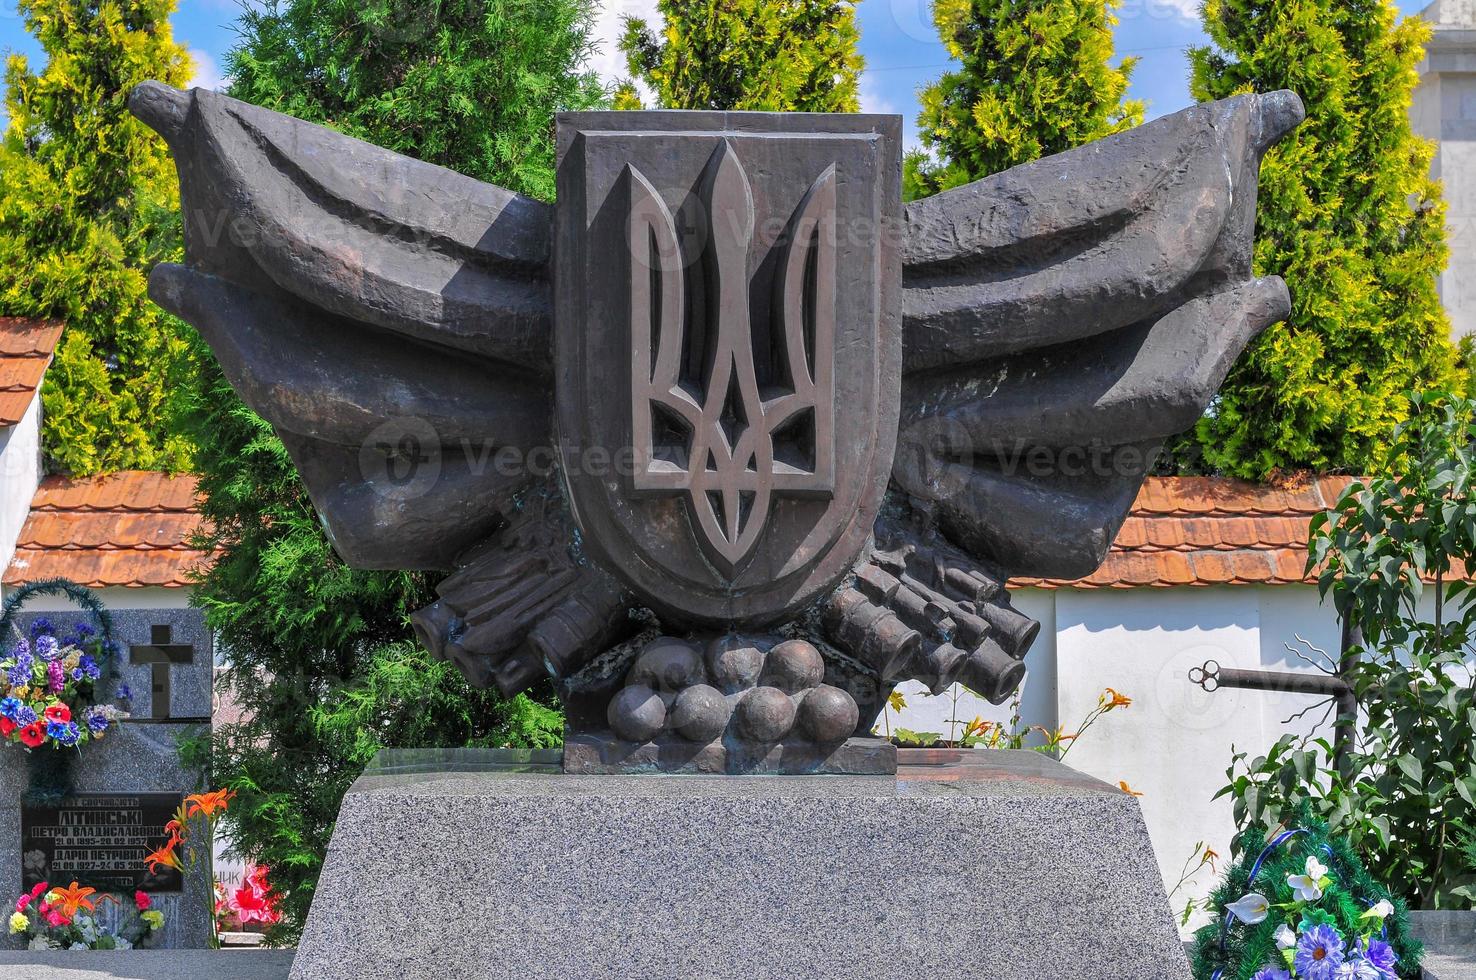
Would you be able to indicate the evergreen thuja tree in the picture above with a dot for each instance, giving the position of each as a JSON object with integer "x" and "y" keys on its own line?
{"x": 762, "y": 55}
{"x": 1035, "y": 79}
{"x": 321, "y": 654}
{"x": 88, "y": 204}
{"x": 1350, "y": 218}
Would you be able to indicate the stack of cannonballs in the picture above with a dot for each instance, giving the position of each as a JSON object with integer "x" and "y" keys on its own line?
{"x": 739, "y": 689}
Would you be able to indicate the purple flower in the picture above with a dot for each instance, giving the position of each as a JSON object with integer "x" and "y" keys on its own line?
{"x": 24, "y": 715}
{"x": 1319, "y": 953}
{"x": 97, "y": 719}
{"x": 1382, "y": 956}
{"x": 56, "y": 677}
{"x": 42, "y": 627}
{"x": 1271, "y": 973}
{"x": 21, "y": 649}
{"x": 20, "y": 673}
{"x": 47, "y": 648}
{"x": 125, "y": 693}
{"x": 66, "y": 733}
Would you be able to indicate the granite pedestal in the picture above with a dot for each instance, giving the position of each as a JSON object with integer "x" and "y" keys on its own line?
{"x": 1004, "y": 865}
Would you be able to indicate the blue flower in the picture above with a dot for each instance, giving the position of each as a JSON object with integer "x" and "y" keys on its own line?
{"x": 21, "y": 649}
{"x": 1319, "y": 953}
{"x": 10, "y": 707}
{"x": 67, "y": 733}
{"x": 97, "y": 720}
{"x": 1382, "y": 956}
{"x": 1271, "y": 973}
{"x": 125, "y": 693}
{"x": 47, "y": 648}
{"x": 89, "y": 667}
{"x": 43, "y": 627}
{"x": 20, "y": 672}
{"x": 24, "y": 715}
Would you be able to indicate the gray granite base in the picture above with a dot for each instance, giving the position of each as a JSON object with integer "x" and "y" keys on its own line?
{"x": 1450, "y": 943}
{"x": 148, "y": 964}
{"x": 987, "y": 864}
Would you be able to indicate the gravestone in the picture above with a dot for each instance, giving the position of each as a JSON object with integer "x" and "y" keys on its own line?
{"x": 126, "y": 786}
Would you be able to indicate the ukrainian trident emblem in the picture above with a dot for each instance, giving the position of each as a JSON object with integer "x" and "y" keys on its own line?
{"x": 702, "y": 425}
{"x": 731, "y": 320}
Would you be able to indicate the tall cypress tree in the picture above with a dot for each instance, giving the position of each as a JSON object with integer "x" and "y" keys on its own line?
{"x": 322, "y": 654}
{"x": 88, "y": 203}
{"x": 763, "y": 55}
{"x": 1035, "y": 79}
{"x": 1350, "y": 218}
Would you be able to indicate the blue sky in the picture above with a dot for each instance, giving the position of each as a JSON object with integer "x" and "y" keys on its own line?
{"x": 897, "y": 39}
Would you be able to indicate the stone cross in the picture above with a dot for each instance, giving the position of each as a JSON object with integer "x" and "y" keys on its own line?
{"x": 162, "y": 653}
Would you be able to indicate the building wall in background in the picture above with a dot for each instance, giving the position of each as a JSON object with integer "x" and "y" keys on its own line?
{"x": 20, "y": 473}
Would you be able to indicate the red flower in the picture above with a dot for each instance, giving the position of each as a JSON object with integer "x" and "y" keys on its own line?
{"x": 58, "y": 713}
{"x": 40, "y": 890}
{"x": 142, "y": 900}
{"x": 6, "y": 727}
{"x": 33, "y": 735}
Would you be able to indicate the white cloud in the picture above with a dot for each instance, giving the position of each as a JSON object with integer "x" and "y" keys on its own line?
{"x": 872, "y": 97}
{"x": 1159, "y": 10}
{"x": 207, "y": 72}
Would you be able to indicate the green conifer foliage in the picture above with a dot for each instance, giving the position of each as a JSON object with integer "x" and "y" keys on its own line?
{"x": 763, "y": 55}
{"x": 88, "y": 204}
{"x": 1349, "y": 216}
{"x": 322, "y": 655}
{"x": 1035, "y": 79}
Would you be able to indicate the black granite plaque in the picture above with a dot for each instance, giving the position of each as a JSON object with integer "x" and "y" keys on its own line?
{"x": 99, "y": 840}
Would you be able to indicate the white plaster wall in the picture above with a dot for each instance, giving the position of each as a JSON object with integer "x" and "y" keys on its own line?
{"x": 20, "y": 473}
{"x": 1444, "y": 110}
{"x": 119, "y": 598}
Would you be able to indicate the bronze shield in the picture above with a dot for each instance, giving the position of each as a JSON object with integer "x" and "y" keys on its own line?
{"x": 727, "y": 350}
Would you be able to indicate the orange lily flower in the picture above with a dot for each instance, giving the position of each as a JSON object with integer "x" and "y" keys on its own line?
{"x": 209, "y": 803}
{"x": 1122, "y": 785}
{"x": 165, "y": 856}
{"x": 69, "y": 900}
{"x": 1111, "y": 699}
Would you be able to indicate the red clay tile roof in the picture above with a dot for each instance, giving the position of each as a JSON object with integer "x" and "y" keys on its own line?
{"x": 26, "y": 347}
{"x": 124, "y": 529}
{"x": 1210, "y": 531}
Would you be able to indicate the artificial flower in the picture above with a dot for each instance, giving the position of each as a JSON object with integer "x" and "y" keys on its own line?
{"x": 1272, "y": 973}
{"x": 1250, "y": 909}
{"x": 1383, "y": 958}
{"x": 209, "y": 803}
{"x": 72, "y": 899}
{"x": 165, "y": 856}
{"x": 1285, "y": 938}
{"x": 142, "y": 901}
{"x": 67, "y": 734}
{"x": 33, "y": 735}
{"x": 1381, "y": 910}
{"x": 7, "y": 727}
{"x": 41, "y": 889}
{"x": 1319, "y": 954}
{"x": 22, "y": 903}
{"x": 9, "y": 707}
{"x": 55, "y": 919}
{"x": 56, "y": 677}
{"x": 1308, "y": 887}
{"x": 47, "y": 648}
{"x": 19, "y": 923}
{"x": 57, "y": 713}
{"x": 154, "y": 918}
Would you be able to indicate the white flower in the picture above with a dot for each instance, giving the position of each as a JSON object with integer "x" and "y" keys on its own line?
{"x": 1308, "y": 887}
{"x": 1251, "y": 908}
{"x": 123, "y": 944}
{"x": 1285, "y": 938}
{"x": 1382, "y": 910}
{"x": 76, "y": 946}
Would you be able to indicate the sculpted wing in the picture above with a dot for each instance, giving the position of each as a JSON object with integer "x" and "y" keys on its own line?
{"x": 1063, "y": 318}
{"x": 390, "y": 318}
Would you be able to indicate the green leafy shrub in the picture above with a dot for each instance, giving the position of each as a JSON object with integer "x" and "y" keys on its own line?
{"x": 1035, "y": 79}
{"x": 1284, "y": 886}
{"x": 88, "y": 204}
{"x": 765, "y": 55}
{"x": 1387, "y": 554}
{"x": 1349, "y": 216}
